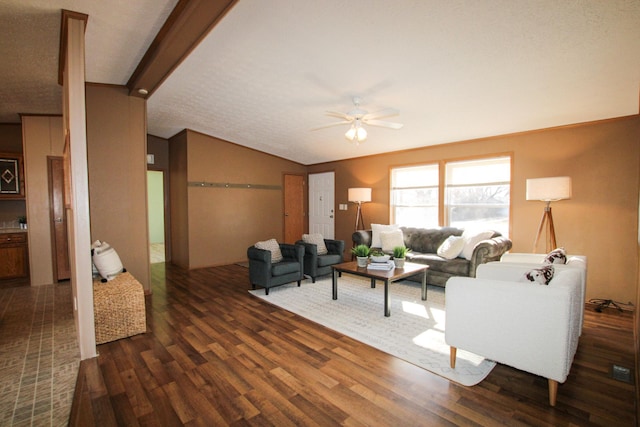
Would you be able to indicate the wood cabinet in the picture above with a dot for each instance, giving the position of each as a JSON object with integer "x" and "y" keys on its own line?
{"x": 14, "y": 256}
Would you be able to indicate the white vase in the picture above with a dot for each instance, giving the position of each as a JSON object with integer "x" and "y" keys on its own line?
{"x": 362, "y": 261}
{"x": 398, "y": 262}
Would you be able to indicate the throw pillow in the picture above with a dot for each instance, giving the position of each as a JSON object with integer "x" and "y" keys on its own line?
{"x": 391, "y": 239}
{"x": 106, "y": 260}
{"x": 376, "y": 229}
{"x": 318, "y": 240}
{"x": 471, "y": 239}
{"x": 451, "y": 247}
{"x": 556, "y": 256}
{"x": 272, "y": 246}
{"x": 541, "y": 276}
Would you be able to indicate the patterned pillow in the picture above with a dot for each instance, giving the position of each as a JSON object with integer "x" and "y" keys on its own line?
{"x": 556, "y": 256}
{"x": 391, "y": 239}
{"x": 273, "y": 246}
{"x": 318, "y": 240}
{"x": 451, "y": 247}
{"x": 541, "y": 276}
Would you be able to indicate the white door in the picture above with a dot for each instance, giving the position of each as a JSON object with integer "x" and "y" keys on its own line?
{"x": 321, "y": 204}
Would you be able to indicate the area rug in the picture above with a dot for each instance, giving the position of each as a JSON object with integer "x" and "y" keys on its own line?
{"x": 414, "y": 332}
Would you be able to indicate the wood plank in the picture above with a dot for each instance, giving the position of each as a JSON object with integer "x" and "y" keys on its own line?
{"x": 216, "y": 355}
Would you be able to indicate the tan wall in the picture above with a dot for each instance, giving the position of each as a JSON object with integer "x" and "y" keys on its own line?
{"x": 600, "y": 221}
{"x": 223, "y": 222}
{"x": 42, "y": 137}
{"x": 116, "y": 151}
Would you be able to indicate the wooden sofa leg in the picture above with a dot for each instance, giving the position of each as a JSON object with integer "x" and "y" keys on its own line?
{"x": 266, "y": 291}
{"x": 553, "y": 392}
{"x": 452, "y": 357}
{"x": 313, "y": 280}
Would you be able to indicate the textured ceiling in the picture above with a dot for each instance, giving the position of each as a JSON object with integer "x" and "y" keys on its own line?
{"x": 266, "y": 74}
{"x": 117, "y": 36}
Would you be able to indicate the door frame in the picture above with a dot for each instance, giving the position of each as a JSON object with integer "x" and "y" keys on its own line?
{"x": 167, "y": 210}
{"x": 52, "y": 226}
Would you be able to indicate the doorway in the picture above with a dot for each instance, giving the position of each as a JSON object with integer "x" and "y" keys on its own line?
{"x": 322, "y": 204}
{"x": 58, "y": 219}
{"x": 293, "y": 208}
{"x": 156, "y": 219}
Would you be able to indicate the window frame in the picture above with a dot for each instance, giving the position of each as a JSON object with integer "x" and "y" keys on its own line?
{"x": 443, "y": 219}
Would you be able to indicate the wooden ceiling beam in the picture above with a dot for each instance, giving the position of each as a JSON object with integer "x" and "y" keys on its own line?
{"x": 189, "y": 23}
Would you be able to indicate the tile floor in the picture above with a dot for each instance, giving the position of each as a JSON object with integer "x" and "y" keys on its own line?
{"x": 39, "y": 355}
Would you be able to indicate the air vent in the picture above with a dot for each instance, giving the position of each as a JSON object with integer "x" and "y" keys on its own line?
{"x": 621, "y": 373}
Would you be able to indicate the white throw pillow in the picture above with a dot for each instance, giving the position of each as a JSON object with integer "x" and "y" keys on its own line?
{"x": 272, "y": 246}
{"x": 391, "y": 239}
{"x": 318, "y": 240}
{"x": 106, "y": 260}
{"x": 471, "y": 239}
{"x": 376, "y": 229}
{"x": 451, "y": 247}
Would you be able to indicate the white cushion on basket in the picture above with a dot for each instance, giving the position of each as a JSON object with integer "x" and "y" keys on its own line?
{"x": 106, "y": 260}
{"x": 318, "y": 240}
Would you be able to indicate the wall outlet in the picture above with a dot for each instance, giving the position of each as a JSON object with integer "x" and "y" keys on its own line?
{"x": 151, "y": 159}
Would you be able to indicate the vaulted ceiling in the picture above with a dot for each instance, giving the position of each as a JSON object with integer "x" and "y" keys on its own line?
{"x": 266, "y": 74}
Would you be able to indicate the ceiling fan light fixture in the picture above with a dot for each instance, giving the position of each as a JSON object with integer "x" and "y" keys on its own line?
{"x": 356, "y": 132}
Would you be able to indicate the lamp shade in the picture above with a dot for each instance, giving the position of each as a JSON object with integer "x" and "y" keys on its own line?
{"x": 549, "y": 189}
{"x": 359, "y": 195}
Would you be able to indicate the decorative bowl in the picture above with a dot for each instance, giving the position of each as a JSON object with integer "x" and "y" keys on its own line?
{"x": 380, "y": 258}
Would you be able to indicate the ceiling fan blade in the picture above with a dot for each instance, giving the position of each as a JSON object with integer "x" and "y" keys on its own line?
{"x": 387, "y": 112}
{"x": 381, "y": 123}
{"x": 339, "y": 115}
{"x": 344, "y": 122}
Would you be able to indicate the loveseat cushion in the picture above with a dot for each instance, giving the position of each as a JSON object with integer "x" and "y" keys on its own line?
{"x": 285, "y": 267}
{"x": 456, "y": 266}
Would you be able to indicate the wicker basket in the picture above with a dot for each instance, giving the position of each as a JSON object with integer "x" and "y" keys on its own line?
{"x": 119, "y": 309}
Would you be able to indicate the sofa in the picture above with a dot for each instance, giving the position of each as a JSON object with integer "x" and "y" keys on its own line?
{"x": 503, "y": 317}
{"x": 425, "y": 242}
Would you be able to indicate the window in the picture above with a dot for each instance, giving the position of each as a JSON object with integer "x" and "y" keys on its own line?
{"x": 414, "y": 196}
{"x": 475, "y": 192}
{"x": 478, "y": 192}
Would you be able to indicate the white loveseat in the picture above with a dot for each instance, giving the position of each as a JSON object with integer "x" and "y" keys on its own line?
{"x": 525, "y": 325}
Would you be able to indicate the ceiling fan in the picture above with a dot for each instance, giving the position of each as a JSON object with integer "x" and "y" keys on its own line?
{"x": 359, "y": 117}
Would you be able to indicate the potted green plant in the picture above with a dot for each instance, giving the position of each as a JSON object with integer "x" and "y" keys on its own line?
{"x": 22, "y": 220}
{"x": 362, "y": 254}
{"x": 399, "y": 254}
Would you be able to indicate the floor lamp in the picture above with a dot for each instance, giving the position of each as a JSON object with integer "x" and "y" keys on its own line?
{"x": 359, "y": 196}
{"x": 548, "y": 190}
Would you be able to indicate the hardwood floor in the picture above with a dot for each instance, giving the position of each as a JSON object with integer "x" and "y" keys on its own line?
{"x": 215, "y": 355}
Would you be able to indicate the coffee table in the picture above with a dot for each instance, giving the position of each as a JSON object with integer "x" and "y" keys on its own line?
{"x": 410, "y": 269}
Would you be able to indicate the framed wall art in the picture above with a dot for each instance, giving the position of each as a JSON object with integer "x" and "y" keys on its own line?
{"x": 11, "y": 176}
